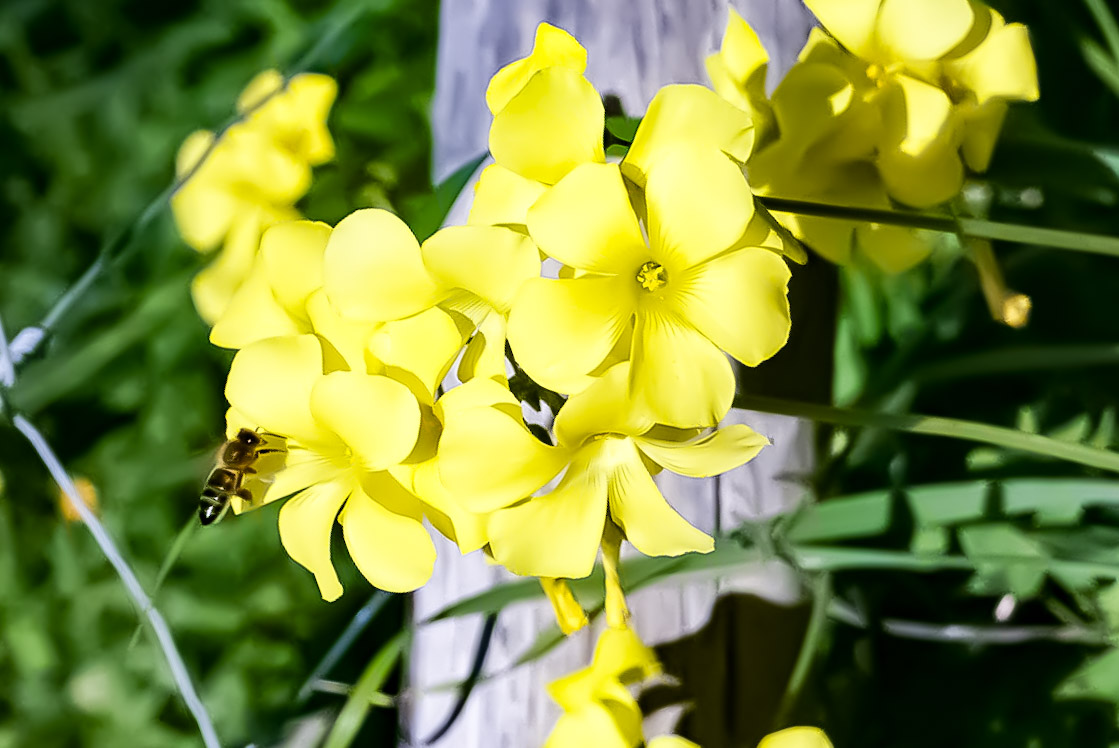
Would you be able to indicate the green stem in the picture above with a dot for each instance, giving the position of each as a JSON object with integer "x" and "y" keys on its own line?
{"x": 365, "y": 692}
{"x": 974, "y": 227}
{"x": 817, "y": 618}
{"x": 982, "y": 433}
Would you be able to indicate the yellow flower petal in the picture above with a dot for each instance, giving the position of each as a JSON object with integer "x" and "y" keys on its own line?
{"x": 916, "y": 116}
{"x": 503, "y": 197}
{"x": 852, "y": 22}
{"x": 553, "y": 46}
{"x": 707, "y": 455}
{"x": 465, "y": 528}
{"x": 741, "y": 50}
{"x": 305, "y": 524}
{"x": 639, "y": 509}
{"x": 739, "y": 300}
{"x": 291, "y": 256}
{"x": 687, "y": 113}
{"x": 489, "y": 261}
{"x": 557, "y": 107}
{"x": 484, "y": 356}
{"x": 348, "y": 336}
{"x": 982, "y": 125}
{"x": 392, "y": 551}
{"x": 796, "y": 737}
{"x": 556, "y": 534}
{"x": 510, "y": 466}
{"x": 592, "y": 725}
{"x": 569, "y": 614}
{"x": 423, "y": 346}
{"x": 377, "y": 417}
{"x": 253, "y": 314}
{"x": 214, "y": 286}
{"x": 621, "y": 654}
{"x": 678, "y": 374}
{"x": 698, "y": 204}
{"x": 271, "y": 380}
{"x": 477, "y": 393}
{"x": 562, "y": 329}
{"x": 604, "y": 407}
{"x": 893, "y": 248}
{"x": 922, "y": 181}
{"x": 1002, "y": 66}
{"x": 373, "y": 270}
{"x": 586, "y": 222}
{"x": 671, "y": 741}
{"x": 924, "y": 29}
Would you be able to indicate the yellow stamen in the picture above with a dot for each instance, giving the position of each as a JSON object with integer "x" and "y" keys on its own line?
{"x": 652, "y": 276}
{"x": 569, "y": 613}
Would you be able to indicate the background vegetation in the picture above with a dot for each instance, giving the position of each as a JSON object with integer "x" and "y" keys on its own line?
{"x": 94, "y": 100}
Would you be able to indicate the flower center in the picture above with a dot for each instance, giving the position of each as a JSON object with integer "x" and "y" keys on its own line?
{"x": 652, "y": 276}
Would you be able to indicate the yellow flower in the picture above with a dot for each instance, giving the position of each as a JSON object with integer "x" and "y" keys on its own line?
{"x": 490, "y": 461}
{"x": 916, "y": 86}
{"x": 548, "y": 119}
{"x": 689, "y": 293}
{"x": 598, "y": 709}
{"x": 250, "y": 179}
{"x": 796, "y": 737}
{"x": 375, "y": 270}
{"x": 294, "y": 117}
{"x": 347, "y": 432}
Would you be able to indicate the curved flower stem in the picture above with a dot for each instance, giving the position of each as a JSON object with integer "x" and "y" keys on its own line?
{"x": 954, "y": 428}
{"x": 978, "y": 228}
{"x": 817, "y": 618}
{"x": 131, "y": 584}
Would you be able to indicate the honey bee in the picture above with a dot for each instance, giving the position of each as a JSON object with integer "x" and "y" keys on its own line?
{"x": 235, "y": 460}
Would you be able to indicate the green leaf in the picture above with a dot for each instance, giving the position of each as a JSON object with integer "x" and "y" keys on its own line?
{"x": 1006, "y": 560}
{"x": 623, "y": 128}
{"x": 954, "y": 428}
{"x": 859, "y": 516}
{"x": 1057, "y": 501}
{"x": 1098, "y": 678}
{"x": 365, "y": 694}
{"x": 947, "y": 503}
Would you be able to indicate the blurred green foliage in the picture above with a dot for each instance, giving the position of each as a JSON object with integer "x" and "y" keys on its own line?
{"x": 94, "y": 101}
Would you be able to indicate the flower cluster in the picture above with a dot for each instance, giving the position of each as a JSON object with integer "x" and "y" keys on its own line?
{"x": 600, "y": 710}
{"x": 889, "y": 101}
{"x": 346, "y": 334}
{"x": 250, "y": 178}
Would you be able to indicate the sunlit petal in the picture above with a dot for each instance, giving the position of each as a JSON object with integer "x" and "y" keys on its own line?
{"x": 557, "y": 107}
{"x": 503, "y": 197}
{"x": 698, "y": 203}
{"x": 639, "y": 509}
{"x": 291, "y": 258}
{"x": 424, "y": 345}
{"x": 552, "y": 47}
{"x": 1002, "y": 66}
{"x": 562, "y": 329}
{"x": 688, "y": 114}
{"x": 924, "y": 29}
{"x": 708, "y": 455}
{"x": 586, "y": 221}
{"x": 678, "y": 374}
{"x": 271, "y": 380}
{"x": 513, "y": 464}
{"x": 739, "y": 300}
{"x": 348, "y": 336}
{"x": 796, "y": 737}
{"x": 852, "y": 22}
{"x": 373, "y": 270}
{"x": 393, "y": 551}
{"x": 253, "y": 314}
{"x": 488, "y": 261}
{"x": 556, "y": 534}
{"x": 305, "y": 523}
{"x": 604, "y": 407}
{"x": 377, "y": 417}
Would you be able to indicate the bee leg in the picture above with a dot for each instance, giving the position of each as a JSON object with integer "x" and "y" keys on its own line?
{"x": 267, "y": 451}
{"x": 246, "y": 496}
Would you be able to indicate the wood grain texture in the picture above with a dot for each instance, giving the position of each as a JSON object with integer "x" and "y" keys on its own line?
{"x": 634, "y": 47}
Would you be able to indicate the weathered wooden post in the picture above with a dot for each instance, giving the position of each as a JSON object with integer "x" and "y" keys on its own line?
{"x": 634, "y": 48}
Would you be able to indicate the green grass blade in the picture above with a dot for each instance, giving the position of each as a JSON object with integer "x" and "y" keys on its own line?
{"x": 366, "y": 692}
{"x": 953, "y": 428}
{"x": 1108, "y": 26}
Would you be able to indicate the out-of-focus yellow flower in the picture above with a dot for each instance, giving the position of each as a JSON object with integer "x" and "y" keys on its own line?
{"x": 376, "y": 271}
{"x": 688, "y": 293}
{"x": 87, "y": 494}
{"x": 916, "y": 91}
{"x": 598, "y": 708}
{"x": 347, "y": 434}
{"x": 609, "y": 449}
{"x": 548, "y": 119}
{"x": 796, "y": 737}
{"x": 250, "y": 179}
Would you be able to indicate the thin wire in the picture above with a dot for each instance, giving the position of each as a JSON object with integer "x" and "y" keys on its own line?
{"x": 131, "y": 584}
